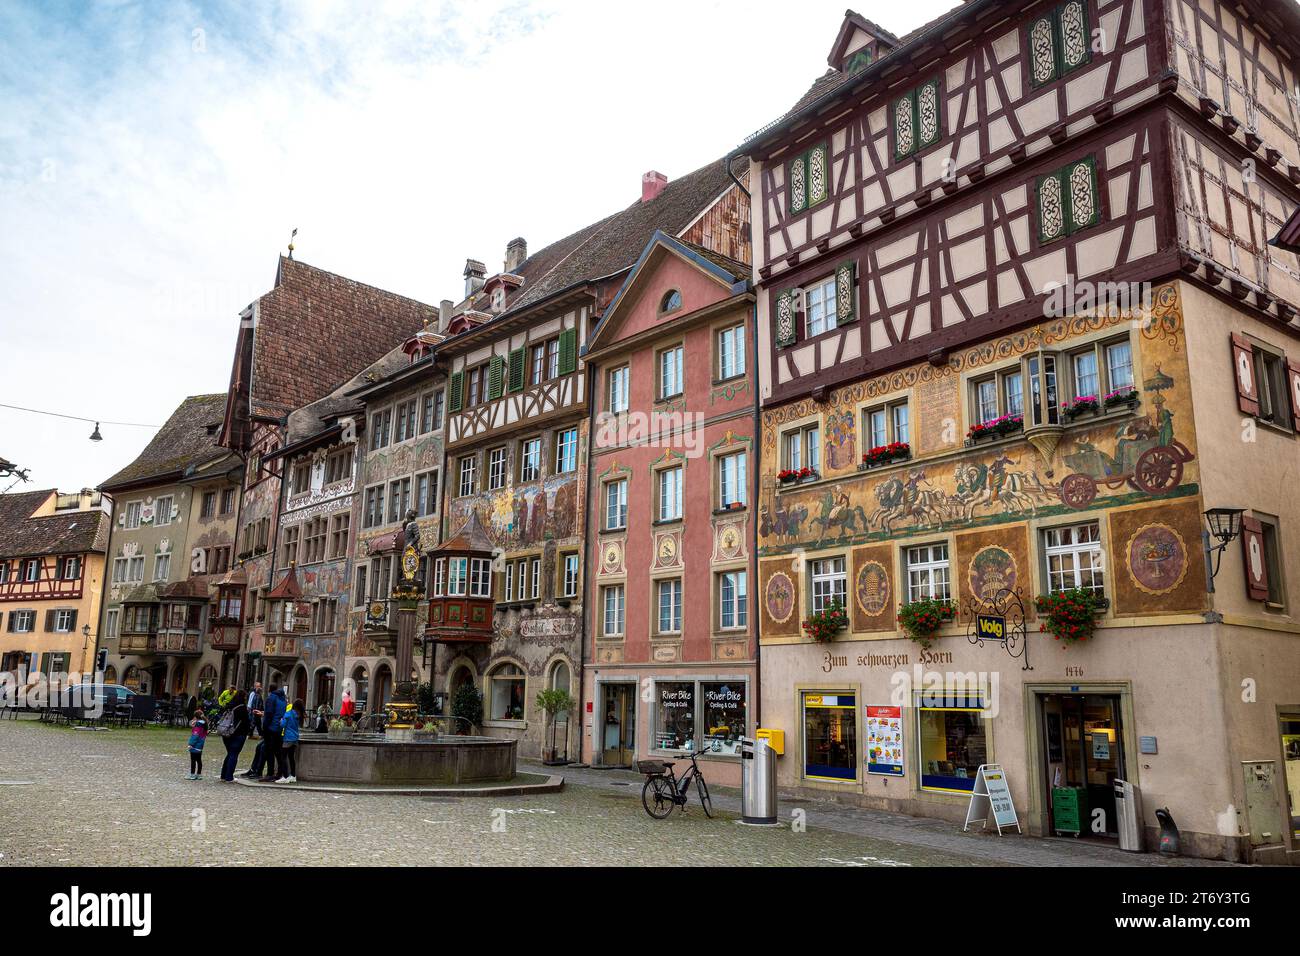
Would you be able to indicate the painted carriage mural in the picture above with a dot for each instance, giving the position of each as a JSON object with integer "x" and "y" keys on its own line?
{"x": 1139, "y": 450}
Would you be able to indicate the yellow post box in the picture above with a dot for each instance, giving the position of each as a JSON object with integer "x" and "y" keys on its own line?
{"x": 775, "y": 738}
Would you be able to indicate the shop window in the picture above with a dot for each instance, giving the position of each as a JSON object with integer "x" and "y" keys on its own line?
{"x": 1074, "y": 557}
{"x": 829, "y": 583}
{"x": 675, "y": 715}
{"x": 953, "y": 743}
{"x": 927, "y": 572}
{"x": 830, "y": 737}
{"x": 506, "y": 693}
{"x": 724, "y": 716}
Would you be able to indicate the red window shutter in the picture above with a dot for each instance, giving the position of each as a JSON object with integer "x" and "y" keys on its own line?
{"x": 1293, "y": 384}
{"x": 1243, "y": 363}
{"x": 1252, "y": 547}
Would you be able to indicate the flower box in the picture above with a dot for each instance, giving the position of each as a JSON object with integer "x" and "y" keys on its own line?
{"x": 1121, "y": 396}
{"x": 1083, "y": 405}
{"x": 885, "y": 455}
{"x": 824, "y": 625}
{"x": 1000, "y": 427}
{"x": 793, "y": 476}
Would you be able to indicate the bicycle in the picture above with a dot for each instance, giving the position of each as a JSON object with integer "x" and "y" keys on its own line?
{"x": 663, "y": 791}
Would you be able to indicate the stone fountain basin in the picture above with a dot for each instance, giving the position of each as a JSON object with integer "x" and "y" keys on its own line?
{"x": 376, "y": 760}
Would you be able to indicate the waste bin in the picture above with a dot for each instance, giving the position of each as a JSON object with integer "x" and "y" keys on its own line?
{"x": 757, "y": 782}
{"x": 1128, "y": 808}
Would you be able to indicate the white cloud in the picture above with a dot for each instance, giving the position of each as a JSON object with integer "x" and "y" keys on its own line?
{"x": 153, "y": 161}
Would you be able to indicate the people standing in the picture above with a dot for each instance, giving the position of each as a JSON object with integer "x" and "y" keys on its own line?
{"x": 256, "y": 701}
{"x": 198, "y": 736}
{"x": 289, "y": 753}
{"x": 272, "y": 723}
{"x": 348, "y": 707}
{"x": 236, "y": 721}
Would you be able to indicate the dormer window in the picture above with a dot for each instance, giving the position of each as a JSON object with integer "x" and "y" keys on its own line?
{"x": 498, "y": 300}
{"x": 858, "y": 61}
{"x": 671, "y": 302}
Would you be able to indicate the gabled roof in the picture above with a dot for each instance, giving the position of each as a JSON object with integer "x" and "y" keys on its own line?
{"x": 728, "y": 272}
{"x": 313, "y": 330}
{"x": 288, "y": 589}
{"x": 65, "y": 532}
{"x": 318, "y": 418}
{"x": 852, "y": 23}
{"x": 471, "y": 539}
{"x": 611, "y": 245}
{"x": 186, "y": 442}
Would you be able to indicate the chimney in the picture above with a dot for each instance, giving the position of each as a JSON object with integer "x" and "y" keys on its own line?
{"x": 516, "y": 253}
{"x": 475, "y": 273}
{"x": 652, "y": 184}
{"x": 444, "y": 314}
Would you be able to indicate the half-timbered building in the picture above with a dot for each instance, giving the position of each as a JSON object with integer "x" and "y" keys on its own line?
{"x": 1019, "y": 326}
{"x": 51, "y": 585}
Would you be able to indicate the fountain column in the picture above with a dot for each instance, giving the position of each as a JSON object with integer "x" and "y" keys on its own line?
{"x": 403, "y": 709}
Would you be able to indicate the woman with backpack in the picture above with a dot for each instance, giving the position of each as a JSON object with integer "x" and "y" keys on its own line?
{"x": 233, "y": 729}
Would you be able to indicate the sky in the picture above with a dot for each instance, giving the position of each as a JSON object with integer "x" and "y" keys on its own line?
{"x": 154, "y": 158}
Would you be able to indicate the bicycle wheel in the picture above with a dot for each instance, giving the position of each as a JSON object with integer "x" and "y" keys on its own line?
{"x": 657, "y": 797}
{"x": 703, "y": 789}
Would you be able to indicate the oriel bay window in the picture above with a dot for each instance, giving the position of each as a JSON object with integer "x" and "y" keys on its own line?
{"x": 1044, "y": 399}
{"x": 462, "y": 577}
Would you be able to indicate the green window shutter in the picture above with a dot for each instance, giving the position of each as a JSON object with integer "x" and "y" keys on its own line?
{"x": 568, "y": 351}
{"x": 796, "y": 183}
{"x": 456, "y": 391}
{"x": 1041, "y": 47}
{"x": 819, "y": 174}
{"x": 928, "y": 115}
{"x": 1073, "y": 41}
{"x": 1049, "y": 191}
{"x": 846, "y": 274}
{"x": 904, "y": 110}
{"x": 496, "y": 376}
{"x": 49, "y": 623}
{"x": 517, "y": 370}
{"x": 1079, "y": 181}
{"x": 785, "y": 318}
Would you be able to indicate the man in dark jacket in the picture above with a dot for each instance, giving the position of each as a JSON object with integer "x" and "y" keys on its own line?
{"x": 272, "y": 728}
{"x": 256, "y": 701}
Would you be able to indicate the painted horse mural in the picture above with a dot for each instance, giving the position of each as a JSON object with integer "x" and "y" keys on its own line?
{"x": 784, "y": 523}
{"x": 910, "y": 499}
{"x": 837, "y": 512}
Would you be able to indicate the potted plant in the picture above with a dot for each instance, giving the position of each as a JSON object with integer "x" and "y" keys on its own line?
{"x": 340, "y": 729}
{"x": 922, "y": 619}
{"x": 823, "y": 625}
{"x": 787, "y": 476}
{"x": 467, "y": 708}
{"x": 552, "y": 703}
{"x": 807, "y": 473}
{"x": 1069, "y": 616}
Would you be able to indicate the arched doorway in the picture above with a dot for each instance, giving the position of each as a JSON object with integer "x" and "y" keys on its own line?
{"x": 324, "y": 688}
{"x": 383, "y": 686}
{"x": 131, "y": 679}
{"x": 110, "y": 674}
{"x": 360, "y": 686}
{"x": 207, "y": 679}
{"x": 299, "y": 685}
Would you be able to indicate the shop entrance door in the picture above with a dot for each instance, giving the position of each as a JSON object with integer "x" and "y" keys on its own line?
{"x": 618, "y": 724}
{"x": 1083, "y": 749}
